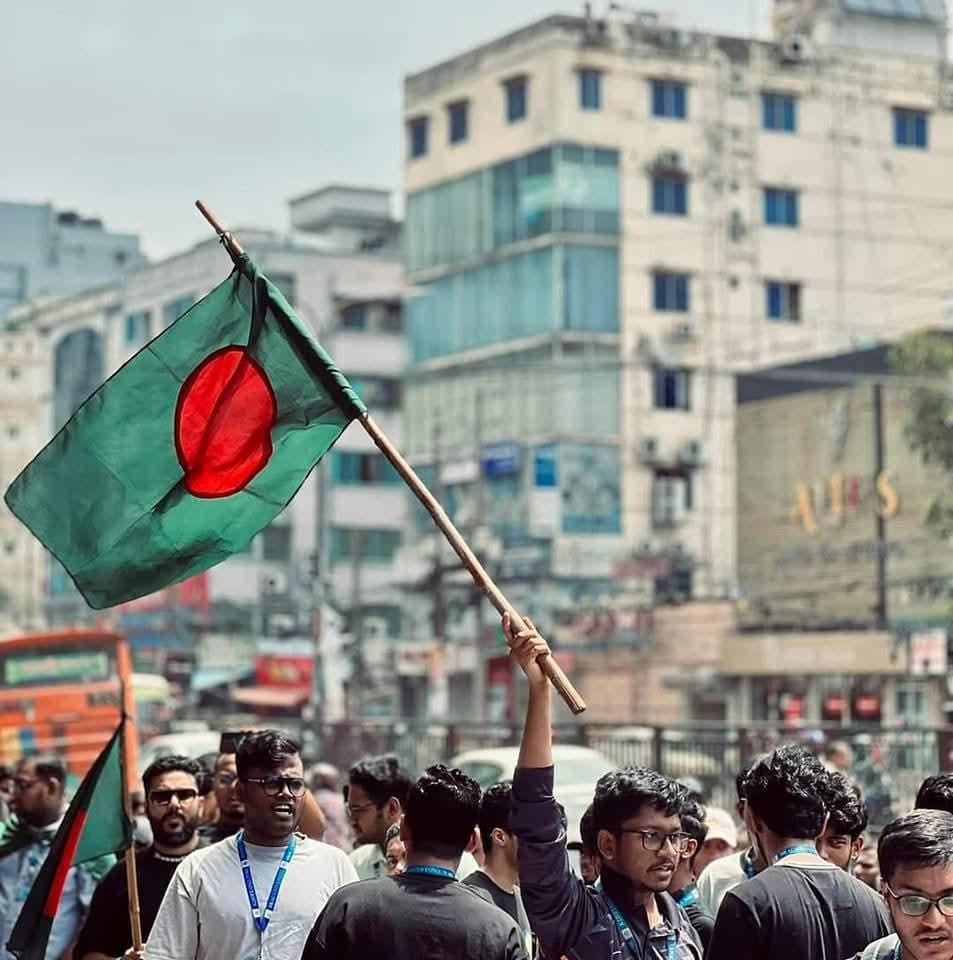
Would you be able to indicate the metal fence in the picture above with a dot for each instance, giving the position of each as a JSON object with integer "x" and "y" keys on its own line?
{"x": 889, "y": 764}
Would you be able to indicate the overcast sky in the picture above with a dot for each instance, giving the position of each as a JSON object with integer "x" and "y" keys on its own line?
{"x": 131, "y": 110}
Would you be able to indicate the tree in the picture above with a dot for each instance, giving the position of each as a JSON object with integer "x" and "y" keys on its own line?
{"x": 929, "y": 428}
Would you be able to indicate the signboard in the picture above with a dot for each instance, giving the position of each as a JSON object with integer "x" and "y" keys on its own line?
{"x": 288, "y": 664}
{"x": 928, "y": 653}
{"x": 76, "y": 667}
{"x": 501, "y": 459}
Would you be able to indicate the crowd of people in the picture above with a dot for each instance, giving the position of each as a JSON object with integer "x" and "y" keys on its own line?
{"x": 249, "y": 856}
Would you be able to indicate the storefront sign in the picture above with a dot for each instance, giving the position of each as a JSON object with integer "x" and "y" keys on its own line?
{"x": 831, "y": 500}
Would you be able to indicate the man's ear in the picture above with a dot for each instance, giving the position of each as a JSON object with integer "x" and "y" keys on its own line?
{"x": 53, "y": 786}
{"x": 606, "y": 845}
{"x": 691, "y": 848}
{"x": 393, "y": 809}
{"x": 855, "y": 848}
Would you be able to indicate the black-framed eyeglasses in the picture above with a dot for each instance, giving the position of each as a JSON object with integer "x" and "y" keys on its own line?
{"x": 915, "y": 905}
{"x": 162, "y": 798}
{"x": 655, "y": 840}
{"x": 272, "y": 786}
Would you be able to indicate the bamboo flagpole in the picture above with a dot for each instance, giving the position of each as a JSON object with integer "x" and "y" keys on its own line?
{"x": 443, "y": 522}
{"x": 132, "y": 879}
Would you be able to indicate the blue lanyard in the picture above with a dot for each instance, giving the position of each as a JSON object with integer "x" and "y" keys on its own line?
{"x": 793, "y": 851}
{"x": 262, "y": 919}
{"x": 427, "y": 871}
{"x": 747, "y": 864}
{"x": 625, "y": 931}
{"x": 689, "y": 897}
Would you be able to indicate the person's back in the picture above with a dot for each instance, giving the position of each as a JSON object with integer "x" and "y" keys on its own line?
{"x": 801, "y": 905}
{"x": 413, "y": 917}
{"x": 796, "y": 911}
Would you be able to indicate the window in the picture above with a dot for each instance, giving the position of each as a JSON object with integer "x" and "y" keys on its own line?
{"x": 590, "y": 89}
{"x": 382, "y": 393}
{"x": 13, "y": 373}
{"x": 458, "y": 115}
{"x": 515, "y": 89}
{"x": 392, "y": 319}
{"x": 138, "y": 328}
{"x": 362, "y": 469}
{"x": 910, "y": 128}
{"x": 174, "y": 309}
{"x": 780, "y": 207}
{"x": 779, "y": 112}
{"x": 671, "y": 498}
{"x": 354, "y": 317}
{"x": 783, "y": 301}
{"x": 276, "y": 542}
{"x": 671, "y": 291}
{"x": 368, "y": 545}
{"x": 417, "y": 131}
{"x": 670, "y": 194}
{"x": 672, "y": 389}
{"x": 669, "y": 99}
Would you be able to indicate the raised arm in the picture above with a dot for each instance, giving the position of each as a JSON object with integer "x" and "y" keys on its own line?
{"x": 536, "y": 748}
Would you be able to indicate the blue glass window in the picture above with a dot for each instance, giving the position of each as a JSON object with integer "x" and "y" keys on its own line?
{"x": 362, "y": 469}
{"x": 780, "y": 207}
{"x": 779, "y": 112}
{"x": 669, "y": 99}
{"x": 910, "y": 128}
{"x": 458, "y": 114}
{"x": 418, "y": 128}
{"x": 671, "y": 291}
{"x": 590, "y": 89}
{"x": 672, "y": 389}
{"x": 138, "y": 328}
{"x": 670, "y": 194}
{"x": 783, "y": 301}
{"x": 515, "y": 99}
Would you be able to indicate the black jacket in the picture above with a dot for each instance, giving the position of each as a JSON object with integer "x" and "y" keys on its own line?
{"x": 571, "y": 919}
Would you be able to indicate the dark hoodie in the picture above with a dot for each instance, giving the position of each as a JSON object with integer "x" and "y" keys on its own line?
{"x": 571, "y": 919}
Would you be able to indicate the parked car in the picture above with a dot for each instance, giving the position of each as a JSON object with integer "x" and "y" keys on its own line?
{"x": 577, "y": 770}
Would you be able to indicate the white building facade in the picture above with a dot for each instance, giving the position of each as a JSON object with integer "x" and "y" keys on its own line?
{"x": 606, "y": 220}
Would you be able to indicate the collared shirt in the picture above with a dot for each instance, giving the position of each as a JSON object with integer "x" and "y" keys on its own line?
{"x": 19, "y": 869}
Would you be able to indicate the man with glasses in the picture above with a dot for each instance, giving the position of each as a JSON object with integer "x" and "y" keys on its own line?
{"x": 253, "y": 896}
{"x": 638, "y": 835}
{"x": 916, "y": 863}
{"x": 800, "y": 905}
{"x": 174, "y": 808}
{"x": 38, "y": 806}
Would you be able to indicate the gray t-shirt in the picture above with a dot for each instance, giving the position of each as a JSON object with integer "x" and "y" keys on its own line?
{"x": 205, "y": 914}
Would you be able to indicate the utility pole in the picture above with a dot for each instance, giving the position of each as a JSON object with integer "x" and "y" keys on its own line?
{"x": 359, "y": 667}
{"x": 479, "y": 675}
{"x": 880, "y": 528}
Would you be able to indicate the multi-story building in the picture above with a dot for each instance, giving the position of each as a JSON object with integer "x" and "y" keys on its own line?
{"x": 47, "y": 253}
{"x": 340, "y": 268}
{"x": 606, "y": 219}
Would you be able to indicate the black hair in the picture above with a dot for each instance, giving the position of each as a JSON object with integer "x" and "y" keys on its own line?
{"x": 588, "y": 833}
{"x": 845, "y": 805}
{"x": 48, "y": 766}
{"x": 263, "y": 750}
{"x": 441, "y": 812}
{"x": 620, "y": 794}
{"x": 783, "y": 790}
{"x": 495, "y": 812}
{"x": 741, "y": 778}
{"x": 936, "y": 793}
{"x": 381, "y": 778}
{"x": 693, "y": 815}
{"x": 920, "y": 839}
{"x": 170, "y": 764}
{"x": 6, "y": 771}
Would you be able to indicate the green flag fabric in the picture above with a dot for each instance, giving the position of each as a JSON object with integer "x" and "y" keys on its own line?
{"x": 190, "y": 449}
{"x": 95, "y": 825}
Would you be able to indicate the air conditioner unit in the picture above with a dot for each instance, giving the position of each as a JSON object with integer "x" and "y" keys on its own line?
{"x": 684, "y": 332}
{"x": 795, "y": 48}
{"x": 648, "y": 451}
{"x": 669, "y": 160}
{"x": 691, "y": 453}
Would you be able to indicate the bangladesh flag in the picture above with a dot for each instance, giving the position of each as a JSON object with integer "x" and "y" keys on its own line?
{"x": 191, "y": 448}
{"x": 95, "y": 825}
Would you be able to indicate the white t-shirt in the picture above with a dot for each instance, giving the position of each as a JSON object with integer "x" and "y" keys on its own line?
{"x": 370, "y": 862}
{"x": 718, "y": 878}
{"x": 205, "y": 914}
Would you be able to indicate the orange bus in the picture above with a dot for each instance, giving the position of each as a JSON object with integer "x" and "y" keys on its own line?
{"x": 64, "y": 693}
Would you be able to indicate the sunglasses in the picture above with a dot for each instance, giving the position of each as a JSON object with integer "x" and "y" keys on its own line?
{"x": 162, "y": 798}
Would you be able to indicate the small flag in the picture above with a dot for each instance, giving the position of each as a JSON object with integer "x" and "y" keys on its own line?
{"x": 191, "y": 448}
{"x": 95, "y": 825}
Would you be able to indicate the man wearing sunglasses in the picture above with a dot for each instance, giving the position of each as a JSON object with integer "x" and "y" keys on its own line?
{"x": 916, "y": 865}
{"x": 638, "y": 834}
{"x": 253, "y": 896}
{"x": 174, "y": 809}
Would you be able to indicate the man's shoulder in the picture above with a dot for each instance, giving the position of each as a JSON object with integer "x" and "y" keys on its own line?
{"x": 723, "y": 869}
{"x": 882, "y": 949}
{"x": 321, "y": 852}
{"x": 365, "y": 853}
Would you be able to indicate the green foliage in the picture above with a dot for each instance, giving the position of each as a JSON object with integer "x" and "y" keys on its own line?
{"x": 929, "y": 427}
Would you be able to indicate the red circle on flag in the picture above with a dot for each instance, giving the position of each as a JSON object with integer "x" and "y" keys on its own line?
{"x": 223, "y": 421}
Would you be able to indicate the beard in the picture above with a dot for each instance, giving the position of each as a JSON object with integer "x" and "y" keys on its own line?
{"x": 173, "y": 836}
